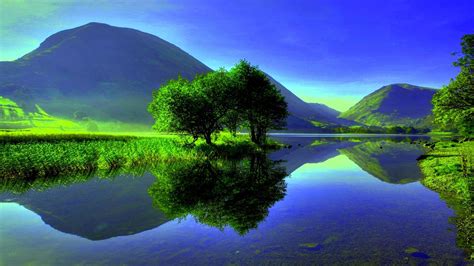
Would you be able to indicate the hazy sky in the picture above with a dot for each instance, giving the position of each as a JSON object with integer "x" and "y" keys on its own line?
{"x": 331, "y": 51}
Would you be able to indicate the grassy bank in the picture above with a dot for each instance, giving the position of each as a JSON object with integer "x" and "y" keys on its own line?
{"x": 33, "y": 156}
{"x": 449, "y": 170}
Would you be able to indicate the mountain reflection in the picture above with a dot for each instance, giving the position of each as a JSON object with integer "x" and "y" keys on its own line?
{"x": 96, "y": 209}
{"x": 391, "y": 162}
{"x": 215, "y": 191}
{"x": 220, "y": 193}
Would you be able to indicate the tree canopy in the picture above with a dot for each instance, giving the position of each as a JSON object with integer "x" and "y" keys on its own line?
{"x": 260, "y": 103}
{"x": 454, "y": 103}
{"x": 241, "y": 98}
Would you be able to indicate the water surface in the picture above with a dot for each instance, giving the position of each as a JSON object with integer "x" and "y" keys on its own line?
{"x": 324, "y": 200}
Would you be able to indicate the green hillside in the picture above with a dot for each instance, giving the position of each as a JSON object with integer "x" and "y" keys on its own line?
{"x": 394, "y": 105}
{"x": 14, "y": 117}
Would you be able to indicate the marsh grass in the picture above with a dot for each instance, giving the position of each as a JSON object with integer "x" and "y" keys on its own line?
{"x": 449, "y": 170}
{"x": 39, "y": 156}
{"x": 32, "y": 157}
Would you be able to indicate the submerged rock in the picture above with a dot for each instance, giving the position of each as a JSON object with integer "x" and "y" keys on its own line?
{"x": 410, "y": 250}
{"x": 311, "y": 246}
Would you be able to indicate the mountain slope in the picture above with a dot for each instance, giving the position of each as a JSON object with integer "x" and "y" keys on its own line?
{"x": 105, "y": 71}
{"x": 307, "y": 111}
{"x": 396, "y": 104}
{"x": 325, "y": 110}
{"x": 13, "y": 116}
{"x": 108, "y": 73}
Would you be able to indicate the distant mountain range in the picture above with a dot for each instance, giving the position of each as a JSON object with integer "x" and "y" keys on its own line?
{"x": 394, "y": 105}
{"x": 108, "y": 73}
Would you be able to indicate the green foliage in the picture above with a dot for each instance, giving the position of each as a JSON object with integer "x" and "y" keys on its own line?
{"x": 197, "y": 108}
{"x": 449, "y": 170}
{"x": 27, "y": 157}
{"x": 220, "y": 192}
{"x": 244, "y": 97}
{"x": 454, "y": 103}
{"x": 231, "y": 183}
{"x": 261, "y": 104}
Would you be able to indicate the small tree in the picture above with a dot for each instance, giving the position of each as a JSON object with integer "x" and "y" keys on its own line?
{"x": 260, "y": 103}
{"x": 197, "y": 108}
{"x": 454, "y": 103}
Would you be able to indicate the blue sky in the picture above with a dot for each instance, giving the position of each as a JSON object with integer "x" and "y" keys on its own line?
{"x": 331, "y": 51}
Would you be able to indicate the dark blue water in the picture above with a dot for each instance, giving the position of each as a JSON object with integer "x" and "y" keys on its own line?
{"x": 346, "y": 202}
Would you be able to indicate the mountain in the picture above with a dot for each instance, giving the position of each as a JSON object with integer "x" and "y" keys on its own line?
{"x": 325, "y": 110}
{"x": 108, "y": 73}
{"x": 302, "y": 113}
{"x": 9, "y": 110}
{"x": 13, "y": 116}
{"x": 396, "y": 104}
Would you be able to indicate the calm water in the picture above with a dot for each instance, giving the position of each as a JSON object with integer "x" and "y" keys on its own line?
{"x": 323, "y": 201}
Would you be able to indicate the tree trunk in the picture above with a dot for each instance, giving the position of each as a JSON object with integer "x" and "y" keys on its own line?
{"x": 252, "y": 134}
{"x": 260, "y": 136}
{"x": 208, "y": 138}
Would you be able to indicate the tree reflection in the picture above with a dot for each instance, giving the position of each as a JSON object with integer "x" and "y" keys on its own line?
{"x": 220, "y": 192}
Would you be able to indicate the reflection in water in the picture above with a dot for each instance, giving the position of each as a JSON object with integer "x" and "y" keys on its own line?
{"x": 329, "y": 211}
{"x": 220, "y": 192}
{"x": 388, "y": 161}
{"x": 97, "y": 209}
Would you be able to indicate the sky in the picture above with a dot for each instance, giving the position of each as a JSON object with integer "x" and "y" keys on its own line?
{"x": 329, "y": 51}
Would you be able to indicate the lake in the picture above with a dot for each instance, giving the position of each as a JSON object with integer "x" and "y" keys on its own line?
{"x": 322, "y": 200}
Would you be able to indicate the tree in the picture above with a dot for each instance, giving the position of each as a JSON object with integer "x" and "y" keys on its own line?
{"x": 218, "y": 100}
{"x": 260, "y": 103}
{"x": 454, "y": 103}
{"x": 197, "y": 108}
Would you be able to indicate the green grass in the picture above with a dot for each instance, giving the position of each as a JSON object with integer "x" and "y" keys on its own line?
{"x": 449, "y": 170}
{"x": 26, "y": 158}
{"x": 46, "y": 155}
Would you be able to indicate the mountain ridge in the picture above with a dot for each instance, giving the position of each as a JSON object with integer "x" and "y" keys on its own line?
{"x": 109, "y": 72}
{"x": 398, "y": 104}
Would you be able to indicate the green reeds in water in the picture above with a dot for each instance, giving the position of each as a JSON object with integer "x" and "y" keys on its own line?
{"x": 24, "y": 158}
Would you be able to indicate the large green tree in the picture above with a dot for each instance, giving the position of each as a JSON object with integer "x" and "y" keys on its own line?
{"x": 243, "y": 97}
{"x": 454, "y": 103}
{"x": 197, "y": 108}
{"x": 260, "y": 103}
